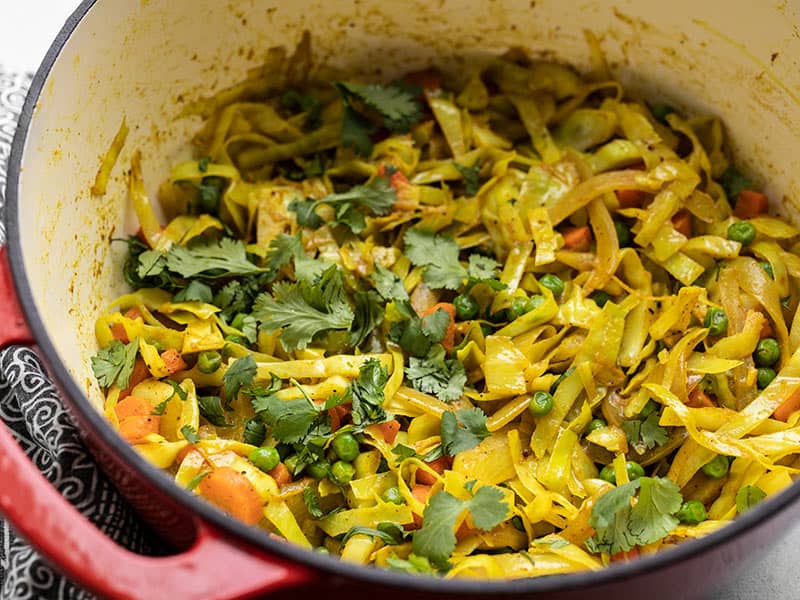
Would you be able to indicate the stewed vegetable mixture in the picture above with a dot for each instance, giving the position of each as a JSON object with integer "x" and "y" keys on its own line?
{"x": 506, "y": 324}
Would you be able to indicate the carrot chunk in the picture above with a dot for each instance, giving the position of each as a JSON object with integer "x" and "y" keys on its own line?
{"x": 389, "y": 430}
{"x": 577, "y": 238}
{"x": 750, "y": 204}
{"x": 421, "y": 493}
{"x": 698, "y": 399}
{"x": 281, "y": 474}
{"x": 173, "y": 360}
{"x": 140, "y": 373}
{"x": 630, "y": 198}
{"x": 136, "y": 427}
{"x": 133, "y": 406}
{"x": 438, "y": 465}
{"x": 338, "y": 415}
{"x": 790, "y": 405}
{"x": 682, "y": 222}
{"x": 232, "y": 492}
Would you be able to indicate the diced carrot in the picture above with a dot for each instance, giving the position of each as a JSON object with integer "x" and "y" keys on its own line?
{"x": 429, "y": 79}
{"x": 750, "y": 204}
{"x": 140, "y": 373}
{"x": 136, "y": 427}
{"x": 389, "y": 430}
{"x": 790, "y": 405}
{"x": 466, "y": 529}
{"x": 281, "y": 474}
{"x": 132, "y": 313}
{"x": 625, "y": 555}
{"x": 232, "y": 492}
{"x": 699, "y": 399}
{"x": 438, "y": 465}
{"x": 133, "y": 406}
{"x": 173, "y": 360}
{"x": 682, "y": 222}
{"x": 766, "y": 329}
{"x": 421, "y": 493}
{"x": 118, "y": 333}
{"x": 338, "y": 414}
{"x": 448, "y": 341}
{"x": 577, "y": 238}
{"x": 630, "y": 198}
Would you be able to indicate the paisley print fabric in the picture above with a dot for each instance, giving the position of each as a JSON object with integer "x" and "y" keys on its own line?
{"x": 31, "y": 408}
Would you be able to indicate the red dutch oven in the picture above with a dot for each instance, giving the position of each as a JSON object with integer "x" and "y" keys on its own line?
{"x": 143, "y": 60}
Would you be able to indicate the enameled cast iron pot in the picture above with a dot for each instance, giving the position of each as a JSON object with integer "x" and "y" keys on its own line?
{"x": 144, "y": 59}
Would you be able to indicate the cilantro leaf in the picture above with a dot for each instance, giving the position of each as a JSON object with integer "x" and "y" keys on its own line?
{"x": 254, "y": 432}
{"x": 620, "y": 525}
{"x": 377, "y": 197}
{"x": 210, "y": 259}
{"x": 463, "y": 429}
{"x": 482, "y": 267}
{"x": 282, "y": 249}
{"x": 470, "y": 178}
{"x": 645, "y": 434}
{"x": 403, "y": 452}
{"x": 304, "y": 310}
{"x": 396, "y": 104}
{"x": 196, "y": 291}
{"x": 436, "y": 539}
{"x": 238, "y": 296}
{"x": 151, "y": 263}
{"x": 367, "y": 393}
{"x": 211, "y": 410}
{"x": 240, "y": 373}
{"x": 311, "y": 500}
{"x": 368, "y": 316}
{"x": 747, "y": 497}
{"x": 435, "y": 325}
{"x": 190, "y": 434}
{"x": 439, "y": 255}
{"x": 356, "y": 132}
{"x": 733, "y": 182}
{"x": 114, "y": 363}
{"x": 389, "y": 533}
{"x": 435, "y": 375}
{"x": 290, "y": 420}
{"x": 388, "y": 285}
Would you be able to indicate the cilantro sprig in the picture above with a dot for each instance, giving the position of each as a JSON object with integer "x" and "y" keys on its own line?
{"x": 437, "y": 375}
{"x": 114, "y": 363}
{"x": 436, "y": 539}
{"x": 622, "y": 520}
{"x": 463, "y": 429}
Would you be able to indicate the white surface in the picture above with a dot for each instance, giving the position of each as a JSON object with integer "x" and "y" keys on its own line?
{"x": 26, "y": 29}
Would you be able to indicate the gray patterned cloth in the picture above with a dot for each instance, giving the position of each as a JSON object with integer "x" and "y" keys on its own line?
{"x": 31, "y": 408}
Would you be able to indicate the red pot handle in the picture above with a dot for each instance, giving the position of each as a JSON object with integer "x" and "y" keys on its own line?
{"x": 213, "y": 568}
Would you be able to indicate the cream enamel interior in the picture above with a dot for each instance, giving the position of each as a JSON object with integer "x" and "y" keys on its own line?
{"x": 144, "y": 59}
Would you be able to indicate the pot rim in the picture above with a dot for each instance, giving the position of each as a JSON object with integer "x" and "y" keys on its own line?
{"x": 238, "y": 531}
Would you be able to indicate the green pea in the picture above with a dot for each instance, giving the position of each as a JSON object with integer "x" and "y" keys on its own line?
{"x": 393, "y": 495}
{"x": 519, "y": 306}
{"x": 601, "y": 298}
{"x": 765, "y": 377}
{"x": 294, "y": 464}
{"x": 266, "y": 458}
{"x": 554, "y": 283}
{"x": 716, "y": 320}
{"x": 535, "y": 302}
{"x": 346, "y": 447}
{"x": 319, "y": 469}
{"x": 607, "y": 474}
{"x": 767, "y": 352}
{"x": 501, "y": 316}
{"x": 768, "y": 268}
{"x": 717, "y": 468}
{"x": 342, "y": 472}
{"x": 595, "y": 424}
{"x": 742, "y": 232}
{"x": 209, "y": 361}
{"x": 634, "y": 469}
{"x": 466, "y": 307}
{"x": 541, "y": 404}
{"x": 623, "y": 234}
{"x": 692, "y": 512}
